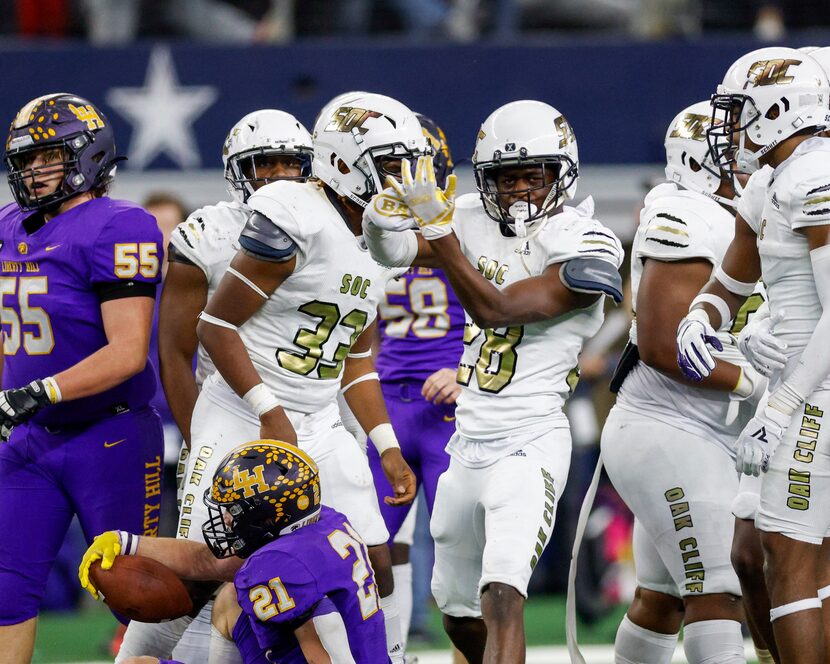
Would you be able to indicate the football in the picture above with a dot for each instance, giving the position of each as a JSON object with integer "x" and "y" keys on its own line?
{"x": 140, "y": 588}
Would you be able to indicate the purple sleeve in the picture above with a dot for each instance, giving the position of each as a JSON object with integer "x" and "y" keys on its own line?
{"x": 276, "y": 588}
{"x": 129, "y": 248}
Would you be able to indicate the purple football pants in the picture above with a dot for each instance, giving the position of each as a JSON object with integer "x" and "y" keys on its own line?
{"x": 423, "y": 430}
{"x": 108, "y": 473}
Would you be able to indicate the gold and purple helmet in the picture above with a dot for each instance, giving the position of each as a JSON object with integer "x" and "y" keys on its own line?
{"x": 260, "y": 491}
{"x": 71, "y": 124}
{"x": 441, "y": 155}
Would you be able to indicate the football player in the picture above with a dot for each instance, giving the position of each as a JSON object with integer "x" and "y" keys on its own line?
{"x": 530, "y": 273}
{"x": 291, "y": 323}
{"x": 772, "y": 101}
{"x": 78, "y": 276}
{"x": 264, "y": 146}
{"x": 681, "y": 431}
{"x": 285, "y": 553}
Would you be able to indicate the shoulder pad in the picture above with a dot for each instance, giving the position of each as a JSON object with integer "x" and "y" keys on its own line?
{"x": 265, "y": 240}
{"x": 592, "y": 275}
{"x": 298, "y": 208}
{"x": 569, "y": 236}
{"x": 675, "y": 227}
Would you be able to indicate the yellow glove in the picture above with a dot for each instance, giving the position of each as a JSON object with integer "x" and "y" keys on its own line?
{"x": 432, "y": 207}
{"x": 105, "y": 548}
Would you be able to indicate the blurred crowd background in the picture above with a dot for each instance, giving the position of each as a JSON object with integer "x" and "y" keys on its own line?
{"x": 280, "y": 21}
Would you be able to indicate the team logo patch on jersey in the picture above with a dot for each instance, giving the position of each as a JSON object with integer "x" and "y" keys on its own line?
{"x": 23, "y": 248}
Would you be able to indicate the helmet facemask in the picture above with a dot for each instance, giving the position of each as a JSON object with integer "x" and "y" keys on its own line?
{"x": 372, "y": 164}
{"x": 558, "y": 172}
{"x": 732, "y": 115}
{"x": 72, "y": 181}
{"x": 241, "y": 170}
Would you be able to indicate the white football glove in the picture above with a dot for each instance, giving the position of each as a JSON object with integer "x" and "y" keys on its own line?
{"x": 433, "y": 207}
{"x": 761, "y": 347}
{"x": 387, "y": 210}
{"x": 758, "y": 440}
{"x": 694, "y": 336}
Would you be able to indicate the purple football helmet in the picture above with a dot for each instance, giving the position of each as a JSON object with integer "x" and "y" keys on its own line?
{"x": 67, "y": 123}
{"x": 442, "y": 157}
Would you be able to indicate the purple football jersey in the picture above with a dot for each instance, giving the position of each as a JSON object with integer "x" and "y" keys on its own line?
{"x": 51, "y": 313}
{"x": 280, "y": 585}
{"x": 422, "y": 326}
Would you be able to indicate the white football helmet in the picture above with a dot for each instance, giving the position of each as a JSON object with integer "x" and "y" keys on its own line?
{"x": 265, "y": 132}
{"x": 822, "y": 56}
{"x": 766, "y": 96}
{"x": 688, "y": 159}
{"x": 525, "y": 133}
{"x": 355, "y": 134}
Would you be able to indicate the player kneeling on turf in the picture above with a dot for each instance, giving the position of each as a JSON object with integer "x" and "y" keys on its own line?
{"x": 262, "y": 492}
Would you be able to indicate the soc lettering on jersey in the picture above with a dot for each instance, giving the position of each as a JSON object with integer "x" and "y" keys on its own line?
{"x": 518, "y": 377}
{"x": 300, "y": 337}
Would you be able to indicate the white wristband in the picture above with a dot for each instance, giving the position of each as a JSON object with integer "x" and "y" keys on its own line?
{"x": 383, "y": 438}
{"x": 128, "y": 542}
{"x": 716, "y": 301}
{"x": 733, "y": 285}
{"x": 261, "y": 399}
{"x": 785, "y": 399}
{"x": 52, "y": 389}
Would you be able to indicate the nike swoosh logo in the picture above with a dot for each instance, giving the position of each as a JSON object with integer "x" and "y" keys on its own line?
{"x": 53, "y": 247}
{"x": 113, "y": 444}
{"x": 449, "y": 418}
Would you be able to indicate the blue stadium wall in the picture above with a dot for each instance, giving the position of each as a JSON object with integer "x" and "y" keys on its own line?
{"x": 618, "y": 96}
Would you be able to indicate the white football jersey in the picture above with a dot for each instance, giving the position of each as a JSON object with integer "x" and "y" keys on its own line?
{"x": 677, "y": 224}
{"x": 301, "y": 336}
{"x": 751, "y": 202}
{"x": 798, "y": 196}
{"x": 516, "y": 379}
{"x": 209, "y": 237}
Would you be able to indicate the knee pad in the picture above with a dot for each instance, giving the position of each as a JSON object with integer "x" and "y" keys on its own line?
{"x": 637, "y": 645}
{"x": 714, "y": 642}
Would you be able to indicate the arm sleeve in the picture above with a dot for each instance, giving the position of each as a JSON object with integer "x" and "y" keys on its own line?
{"x": 128, "y": 249}
{"x": 814, "y": 363}
{"x": 390, "y": 248}
{"x": 292, "y": 587}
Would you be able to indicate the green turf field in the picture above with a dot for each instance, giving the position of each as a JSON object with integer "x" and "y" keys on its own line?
{"x": 83, "y": 636}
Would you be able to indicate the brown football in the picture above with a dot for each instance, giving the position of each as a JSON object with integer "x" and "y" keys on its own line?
{"x": 141, "y": 588}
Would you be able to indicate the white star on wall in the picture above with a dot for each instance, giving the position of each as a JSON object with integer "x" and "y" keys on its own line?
{"x": 162, "y": 114}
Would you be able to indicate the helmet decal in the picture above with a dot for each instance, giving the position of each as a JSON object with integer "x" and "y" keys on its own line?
{"x": 81, "y": 134}
{"x": 260, "y": 491}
